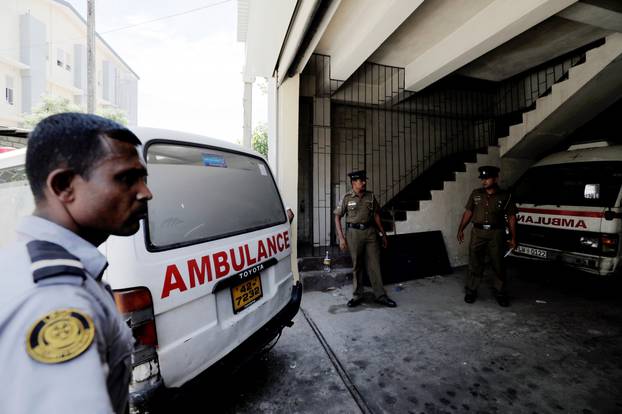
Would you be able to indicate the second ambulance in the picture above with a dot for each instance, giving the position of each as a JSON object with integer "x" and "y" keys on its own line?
{"x": 569, "y": 209}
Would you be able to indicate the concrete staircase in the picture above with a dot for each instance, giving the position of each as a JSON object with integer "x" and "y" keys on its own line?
{"x": 444, "y": 210}
{"x": 589, "y": 89}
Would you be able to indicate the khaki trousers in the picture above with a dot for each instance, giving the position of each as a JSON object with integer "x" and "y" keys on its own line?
{"x": 365, "y": 251}
{"x": 491, "y": 242}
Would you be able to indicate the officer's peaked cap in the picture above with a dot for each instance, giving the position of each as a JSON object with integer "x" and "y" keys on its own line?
{"x": 358, "y": 175}
{"x": 488, "y": 171}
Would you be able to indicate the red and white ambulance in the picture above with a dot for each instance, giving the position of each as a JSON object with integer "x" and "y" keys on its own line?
{"x": 570, "y": 209}
{"x": 209, "y": 272}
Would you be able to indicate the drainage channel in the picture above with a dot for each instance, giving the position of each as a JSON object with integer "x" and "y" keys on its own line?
{"x": 345, "y": 378}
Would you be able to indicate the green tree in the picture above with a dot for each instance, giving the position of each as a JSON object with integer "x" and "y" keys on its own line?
{"x": 116, "y": 114}
{"x": 52, "y": 104}
{"x": 259, "y": 141}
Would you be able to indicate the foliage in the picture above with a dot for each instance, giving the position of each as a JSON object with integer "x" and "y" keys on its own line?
{"x": 53, "y": 104}
{"x": 262, "y": 85}
{"x": 259, "y": 141}
{"x": 116, "y": 114}
{"x": 50, "y": 105}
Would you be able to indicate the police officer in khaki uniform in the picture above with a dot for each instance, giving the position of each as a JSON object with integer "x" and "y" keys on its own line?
{"x": 64, "y": 348}
{"x": 488, "y": 208}
{"x": 362, "y": 224}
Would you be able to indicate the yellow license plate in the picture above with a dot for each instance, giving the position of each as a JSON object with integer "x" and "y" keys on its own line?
{"x": 246, "y": 293}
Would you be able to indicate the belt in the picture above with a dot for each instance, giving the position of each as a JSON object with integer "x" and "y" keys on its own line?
{"x": 358, "y": 226}
{"x": 486, "y": 226}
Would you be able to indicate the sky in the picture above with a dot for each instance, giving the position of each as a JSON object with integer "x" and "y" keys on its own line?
{"x": 190, "y": 65}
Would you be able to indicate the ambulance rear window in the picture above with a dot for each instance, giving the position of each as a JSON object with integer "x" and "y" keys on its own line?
{"x": 594, "y": 184}
{"x": 202, "y": 194}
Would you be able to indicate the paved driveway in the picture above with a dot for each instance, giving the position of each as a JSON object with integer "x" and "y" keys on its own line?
{"x": 557, "y": 349}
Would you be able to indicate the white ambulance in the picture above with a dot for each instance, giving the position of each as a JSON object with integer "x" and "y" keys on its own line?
{"x": 209, "y": 272}
{"x": 570, "y": 211}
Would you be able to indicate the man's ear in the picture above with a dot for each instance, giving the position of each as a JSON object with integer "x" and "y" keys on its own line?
{"x": 60, "y": 184}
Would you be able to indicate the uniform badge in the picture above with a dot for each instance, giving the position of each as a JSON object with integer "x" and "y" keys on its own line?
{"x": 60, "y": 336}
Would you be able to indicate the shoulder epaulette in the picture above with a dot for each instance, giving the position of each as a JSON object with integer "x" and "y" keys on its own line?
{"x": 49, "y": 260}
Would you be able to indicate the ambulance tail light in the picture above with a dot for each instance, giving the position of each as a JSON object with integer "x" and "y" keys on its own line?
{"x": 136, "y": 306}
{"x": 609, "y": 243}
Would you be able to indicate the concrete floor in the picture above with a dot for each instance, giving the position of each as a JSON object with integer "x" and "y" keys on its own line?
{"x": 557, "y": 349}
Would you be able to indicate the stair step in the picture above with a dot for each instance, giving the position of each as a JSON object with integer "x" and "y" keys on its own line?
{"x": 421, "y": 189}
{"x": 399, "y": 213}
{"x": 406, "y": 205}
{"x": 581, "y": 60}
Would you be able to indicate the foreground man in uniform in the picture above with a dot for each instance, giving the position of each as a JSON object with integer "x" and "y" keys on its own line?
{"x": 488, "y": 206}
{"x": 362, "y": 219}
{"x": 63, "y": 346}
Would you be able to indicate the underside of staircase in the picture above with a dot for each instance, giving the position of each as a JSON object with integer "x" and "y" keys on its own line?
{"x": 435, "y": 199}
{"x": 588, "y": 89}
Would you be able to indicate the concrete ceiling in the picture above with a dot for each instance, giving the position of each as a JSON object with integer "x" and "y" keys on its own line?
{"x": 358, "y": 28}
{"x": 484, "y": 39}
{"x": 432, "y": 22}
{"x": 554, "y": 37}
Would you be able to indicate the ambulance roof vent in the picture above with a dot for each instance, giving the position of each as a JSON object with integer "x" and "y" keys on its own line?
{"x": 586, "y": 145}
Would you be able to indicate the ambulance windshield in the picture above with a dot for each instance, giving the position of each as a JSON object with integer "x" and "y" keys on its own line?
{"x": 594, "y": 184}
{"x": 203, "y": 194}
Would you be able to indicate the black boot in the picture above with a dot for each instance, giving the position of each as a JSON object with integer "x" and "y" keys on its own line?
{"x": 470, "y": 296}
{"x": 355, "y": 301}
{"x": 386, "y": 301}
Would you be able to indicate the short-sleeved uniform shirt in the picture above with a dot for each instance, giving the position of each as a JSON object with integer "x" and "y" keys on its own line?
{"x": 358, "y": 210}
{"x": 44, "y": 314}
{"x": 490, "y": 208}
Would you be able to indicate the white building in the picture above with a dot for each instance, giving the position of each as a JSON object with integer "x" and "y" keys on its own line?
{"x": 43, "y": 52}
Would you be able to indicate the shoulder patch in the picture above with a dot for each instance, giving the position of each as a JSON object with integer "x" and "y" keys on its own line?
{"x": 49, "y": 259}
{"x": 60, "y": 336}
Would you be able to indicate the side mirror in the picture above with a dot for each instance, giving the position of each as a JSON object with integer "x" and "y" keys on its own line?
{"x": 609, "y": 215}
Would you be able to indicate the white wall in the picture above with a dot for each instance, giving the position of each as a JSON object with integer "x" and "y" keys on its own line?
{"x": 287, "y": 154}
{"x": 10, "y": 115}
{"x": 9, "y": 29}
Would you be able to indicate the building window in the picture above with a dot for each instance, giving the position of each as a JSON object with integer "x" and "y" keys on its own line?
{"x": 8, "y": 91}
{"x": 68, "y": 62}
{"x": 60, "y": 58}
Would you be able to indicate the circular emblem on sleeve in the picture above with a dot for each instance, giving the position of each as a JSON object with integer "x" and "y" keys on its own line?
{"x": 60, "y": 336}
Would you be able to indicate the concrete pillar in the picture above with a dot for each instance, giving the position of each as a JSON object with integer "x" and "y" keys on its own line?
{"x": 287, "y": 154}
{"x": 248, "y": 114}
{"x": 272, "y": 125}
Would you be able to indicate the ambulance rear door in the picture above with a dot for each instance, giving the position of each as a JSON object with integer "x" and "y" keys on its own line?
{"x": 214, "y": 253}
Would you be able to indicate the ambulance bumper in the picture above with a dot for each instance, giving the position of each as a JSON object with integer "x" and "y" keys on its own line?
{"x": 603, "y": 266}
{"x": 260, "y": 339}
{"x": 151, "y": 396}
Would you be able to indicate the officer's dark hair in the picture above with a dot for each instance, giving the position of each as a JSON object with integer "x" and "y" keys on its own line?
{"x": 69, "y": 140}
